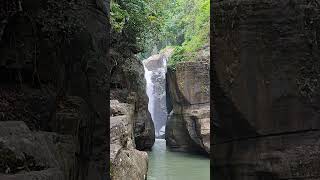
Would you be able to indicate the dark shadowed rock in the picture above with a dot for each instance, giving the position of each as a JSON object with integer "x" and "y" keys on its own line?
{"x": 55, "y": 75}
{"x": 29, "y": 155}
{"x": 128, "y": 86}
{"x": 265, "y": 91}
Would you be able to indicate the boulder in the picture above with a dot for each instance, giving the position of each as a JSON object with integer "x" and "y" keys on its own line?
{"x": 126, "y": 161}
{"x": 265, "y": 91}
{"x": 28, "y": 155}
{"x": 130, "y": 164}
{"x": 117, "y": 108}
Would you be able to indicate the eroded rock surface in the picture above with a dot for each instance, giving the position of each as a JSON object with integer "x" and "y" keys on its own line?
{"x": 188, "y": 125}
{"x": 126, "y": 161}
{"x": 266, "y": 89}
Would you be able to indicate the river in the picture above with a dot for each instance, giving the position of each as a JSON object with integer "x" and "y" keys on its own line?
{"x": 167, "y": 165}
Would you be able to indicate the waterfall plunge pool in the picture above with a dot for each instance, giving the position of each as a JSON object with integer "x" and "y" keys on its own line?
{"x": 168, "y": 165}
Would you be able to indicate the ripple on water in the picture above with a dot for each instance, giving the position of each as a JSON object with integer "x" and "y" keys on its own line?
{"x": 167, "y": 165}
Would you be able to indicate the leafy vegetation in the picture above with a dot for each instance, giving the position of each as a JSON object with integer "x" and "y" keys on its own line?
{"x": 194, "y": 19}
{"x": 60, "y": 20}
{"x": 137, "y": 19}
{"x": 156, "y": 24}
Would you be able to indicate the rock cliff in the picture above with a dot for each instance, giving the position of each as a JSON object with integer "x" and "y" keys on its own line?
{"x": 131, "y": 126}
{"x": 188, "y": 124}
{"x": 266, "y": 89}
{"x": 128, "y": 85}
{"x": 54, "y": 79}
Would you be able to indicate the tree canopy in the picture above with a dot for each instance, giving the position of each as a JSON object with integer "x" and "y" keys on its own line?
{"x": 156, "y": 24}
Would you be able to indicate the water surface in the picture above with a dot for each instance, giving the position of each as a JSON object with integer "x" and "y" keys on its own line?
{"x": 167, "y": 165}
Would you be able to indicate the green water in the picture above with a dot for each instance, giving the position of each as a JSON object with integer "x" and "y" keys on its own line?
{"x": 166, "y": 165}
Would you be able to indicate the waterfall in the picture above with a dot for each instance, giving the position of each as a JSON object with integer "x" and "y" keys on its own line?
{"x": 155, "y": 68}
{"x": 149, "y": 90}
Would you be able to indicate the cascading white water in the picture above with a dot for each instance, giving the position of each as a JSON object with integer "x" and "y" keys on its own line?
{"x": 155, "y": 76}
{"x": 149, "y": 89}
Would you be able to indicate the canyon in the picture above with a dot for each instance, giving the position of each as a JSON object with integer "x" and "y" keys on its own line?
{"x": 68, "y": 79}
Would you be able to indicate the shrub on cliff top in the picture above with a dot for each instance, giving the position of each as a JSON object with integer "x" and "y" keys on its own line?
{"x": 194, "y": 18}
{"x": 137, "y": 19}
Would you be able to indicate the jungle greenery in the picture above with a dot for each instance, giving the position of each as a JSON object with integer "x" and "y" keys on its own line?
{"x": 154, "y": 25}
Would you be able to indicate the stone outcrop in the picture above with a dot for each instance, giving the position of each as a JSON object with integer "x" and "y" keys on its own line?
{"x": 188, "y": 125}
{"x": 266, "y": 89}
{"x": 54, "y": 77}
{"x": 128, "y": 86}
{"x": 126, "y": 161}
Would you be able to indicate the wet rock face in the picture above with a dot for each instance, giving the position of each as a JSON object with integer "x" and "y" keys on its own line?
{"x": 265, "y": 98}
{"x": 155, "y": 69}
{"x": 188, "y": 125}
{"x": 58, "y": 84}
{"x": 126, "y": 161}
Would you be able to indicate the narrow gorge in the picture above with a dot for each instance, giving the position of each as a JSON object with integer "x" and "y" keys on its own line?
{"x": 181, "y": 151}
{"x": 71, "y": 71}
{"x": 159, "y": 91}
{"x": 120, "y": 89}
{"x": 181, "y": 139}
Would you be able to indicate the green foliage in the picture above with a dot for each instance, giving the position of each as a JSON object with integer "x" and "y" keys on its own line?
{"x": 60, "y": 20}
{"x": 177, "y": 56}
{"x": 118, "y": 16}
{"x": 198, "y": 29}
{"x": 155, "y": 24}
{"x": 186, "y": 25}
{"x": 139, "y": 19}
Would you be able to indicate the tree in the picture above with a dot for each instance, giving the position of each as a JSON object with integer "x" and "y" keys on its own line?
{"x": 155, "y": 24}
